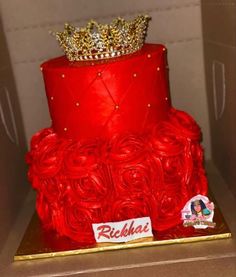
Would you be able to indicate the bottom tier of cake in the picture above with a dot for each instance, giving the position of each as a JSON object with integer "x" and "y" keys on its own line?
{"x": 128, "y": 176}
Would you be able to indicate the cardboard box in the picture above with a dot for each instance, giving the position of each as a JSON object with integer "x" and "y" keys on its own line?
{"x": 185, "y": 26}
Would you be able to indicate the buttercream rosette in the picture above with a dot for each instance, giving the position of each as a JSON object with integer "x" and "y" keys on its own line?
{"x": 127, "y": 176}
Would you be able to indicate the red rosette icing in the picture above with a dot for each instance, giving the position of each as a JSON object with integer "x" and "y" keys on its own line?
{"x": 169, "y": 204}
{"x": 198, "y": 177}
{"x": 174, "y": 169}
{"x": 128, "y": 176}
{"x": 172, "y": 149}
{"x": 184, "y": 125}
{"x": 39, "y": 136}
{"x": 134, "y": 206}
{"x": 44, "y": 211}
{"x": 126, "y": 149}
{"x": 131, "y": 165}
{"x": 136, "y": 178}
{"x": 197, "y": 154}
{"x": 53, "y": 189}
{"x": 165, "y": 141}
{"x": 48, "y": 155}
{"x": 75, "y": 222}
{"x": 81, "y": 159}
{"x": 92, "y": 191}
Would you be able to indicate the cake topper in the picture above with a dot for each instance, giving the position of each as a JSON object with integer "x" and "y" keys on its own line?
{"x": 198, "y": 212}
{"x": 102, "y": 41}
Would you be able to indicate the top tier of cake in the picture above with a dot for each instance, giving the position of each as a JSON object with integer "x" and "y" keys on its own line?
{"x": 102, "y": 98}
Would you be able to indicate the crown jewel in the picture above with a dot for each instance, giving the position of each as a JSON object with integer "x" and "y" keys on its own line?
{"x": 97, "y": 41}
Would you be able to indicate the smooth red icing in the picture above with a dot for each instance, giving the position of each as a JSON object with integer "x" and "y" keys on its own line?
{"x": 112, "y": 164}
{"x": 126, "y": 95}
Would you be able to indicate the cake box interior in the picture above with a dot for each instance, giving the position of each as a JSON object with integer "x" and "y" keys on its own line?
{"x": 202, "y": 67}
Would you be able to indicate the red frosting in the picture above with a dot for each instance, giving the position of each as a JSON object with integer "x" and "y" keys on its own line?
{"x": 88, "y": 100}
{"x": 102, "y": 163}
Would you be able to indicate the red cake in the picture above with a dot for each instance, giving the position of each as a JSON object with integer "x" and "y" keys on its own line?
{"x": 116, "y": 149}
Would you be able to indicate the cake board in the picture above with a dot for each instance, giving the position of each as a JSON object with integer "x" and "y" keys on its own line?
{"x": 38, "y": 243}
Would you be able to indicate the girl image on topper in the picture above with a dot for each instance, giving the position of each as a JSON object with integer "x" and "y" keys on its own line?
{"x": 199, "y": 209}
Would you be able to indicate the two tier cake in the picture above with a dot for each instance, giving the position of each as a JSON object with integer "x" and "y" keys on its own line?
{"x": 116, "y": 149}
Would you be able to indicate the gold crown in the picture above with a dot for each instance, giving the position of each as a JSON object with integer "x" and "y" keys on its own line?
{"x": 97, "y": 41}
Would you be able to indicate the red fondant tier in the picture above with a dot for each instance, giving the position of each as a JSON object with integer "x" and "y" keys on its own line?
{"x": 80, "y": 182}
{"x": 100, "y": 99}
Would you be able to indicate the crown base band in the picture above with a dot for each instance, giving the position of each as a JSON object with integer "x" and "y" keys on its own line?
{"x": 101, "y": 55}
